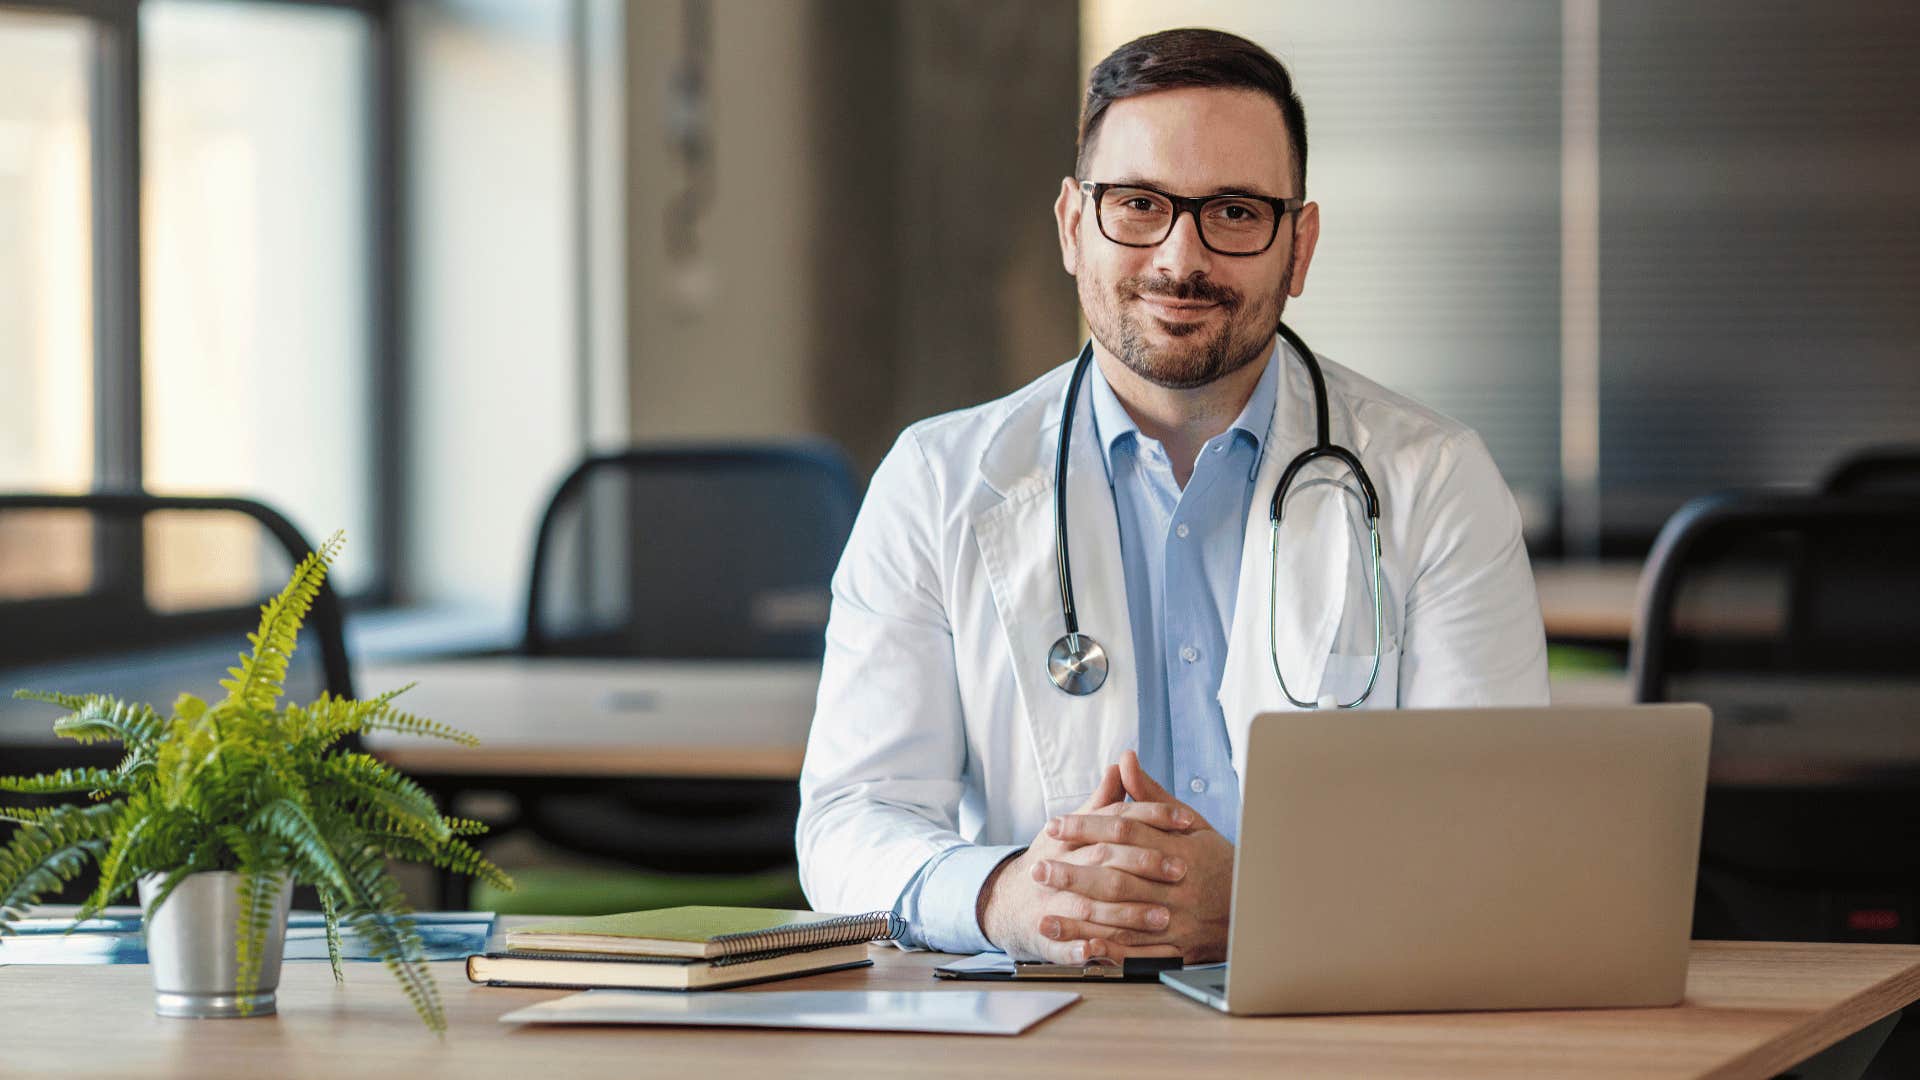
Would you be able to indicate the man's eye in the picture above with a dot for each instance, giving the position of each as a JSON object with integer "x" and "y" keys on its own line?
{"x": 1139, "y": 205}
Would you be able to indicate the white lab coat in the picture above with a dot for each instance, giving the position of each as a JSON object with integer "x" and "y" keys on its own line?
{"x": 936, "y": 722}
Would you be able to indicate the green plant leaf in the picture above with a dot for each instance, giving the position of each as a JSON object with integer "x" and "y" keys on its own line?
{"x": 65, "y": 782}
{"x": 258, "y": 682}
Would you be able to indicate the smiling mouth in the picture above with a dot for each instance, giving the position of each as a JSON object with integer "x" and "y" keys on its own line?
{"x": 1176, "y": 309}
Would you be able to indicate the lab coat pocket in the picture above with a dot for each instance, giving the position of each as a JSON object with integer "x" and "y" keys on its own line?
{"x": 1346, "y": 677}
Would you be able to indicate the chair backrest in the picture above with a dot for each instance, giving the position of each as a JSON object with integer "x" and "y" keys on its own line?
{"x": 1797, "y": 618}
{"x": 145, "y": 596}
{"x": 689, "y": 552}
{"x": 1876, "y": 470}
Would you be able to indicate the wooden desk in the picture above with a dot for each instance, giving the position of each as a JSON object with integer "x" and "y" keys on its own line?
{"x": 560, "y": 718}
{"x": 1752, "y": 1010}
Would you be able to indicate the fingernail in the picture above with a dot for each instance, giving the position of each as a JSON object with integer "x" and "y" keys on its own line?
{"x": 1050, "y": 927}
{"x": 1038, "y": 873}
{"x": 1053, "y": 826}
{"x": 1183, "y": 818}
{"x": 1157, "y": 918}
{"x": 1173, "y": 867}
{"x": 1078, "y": 953}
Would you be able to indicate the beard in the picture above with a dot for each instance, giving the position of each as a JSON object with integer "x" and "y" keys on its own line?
{"x": 1199, "y": 353}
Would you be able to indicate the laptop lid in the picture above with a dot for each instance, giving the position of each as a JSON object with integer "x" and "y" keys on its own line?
{"x": 1467, "y": 859}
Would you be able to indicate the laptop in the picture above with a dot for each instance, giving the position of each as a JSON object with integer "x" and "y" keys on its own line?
{"x": 1463, "y": 859}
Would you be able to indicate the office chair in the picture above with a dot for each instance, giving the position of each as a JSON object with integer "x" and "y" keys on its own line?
{"x": 1886, "y": 470}
{"x": 1796, "y": 618}
{"x": 684, "y": 553}
{"x": 141, "y": 596}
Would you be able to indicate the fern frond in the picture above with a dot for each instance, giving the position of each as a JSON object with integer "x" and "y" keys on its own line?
{"x": 259, "y": 680}
{"x": 65, "y": 782}
{"x": 459, "y": 826}
{"x": 129, "y": 831}
{"x": 69, "y": 702}
{"x": 373, "y": 903}
{"x": 375, "y": 784}
{"x": 408, "y": 724}
{"x": 332, "y": 913}
{"x": 454, "y": 855}
{"x": 44, "y": 855}
{"x": 259, "y": 892}
{"x": 101, "y": 718}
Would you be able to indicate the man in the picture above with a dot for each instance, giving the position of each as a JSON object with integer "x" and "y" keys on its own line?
{"x": 947, "y": 776}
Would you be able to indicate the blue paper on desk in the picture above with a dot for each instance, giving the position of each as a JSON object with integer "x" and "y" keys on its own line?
{"x": 117, "y": 939}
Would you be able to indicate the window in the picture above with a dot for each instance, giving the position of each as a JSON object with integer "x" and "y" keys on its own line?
{"x": 256, "y": 337}
{"x": 194, "y": 276}
{"x": 46, "y": 289}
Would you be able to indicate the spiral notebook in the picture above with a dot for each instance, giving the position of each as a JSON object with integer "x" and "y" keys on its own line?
{"x": 705, "y": 933}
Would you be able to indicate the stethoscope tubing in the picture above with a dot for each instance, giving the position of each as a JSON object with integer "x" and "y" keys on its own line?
{"x": 1078, "y": 664}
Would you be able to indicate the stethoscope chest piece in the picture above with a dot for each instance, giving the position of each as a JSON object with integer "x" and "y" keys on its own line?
{"x": 1077, "y": 664}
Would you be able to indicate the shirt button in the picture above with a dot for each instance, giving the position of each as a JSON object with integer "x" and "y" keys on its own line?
{"x": 1189, "y": 653}
{"x": 1181, "y": 530}
{"x": 1220, "y": 448}
{"x": 1196, "y": 785}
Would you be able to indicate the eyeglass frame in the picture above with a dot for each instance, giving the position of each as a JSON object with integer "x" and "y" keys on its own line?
{"x": 1186, "y": 204}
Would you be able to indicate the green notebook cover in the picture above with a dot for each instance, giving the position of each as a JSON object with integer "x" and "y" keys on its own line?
{"x": 703, "y": 931}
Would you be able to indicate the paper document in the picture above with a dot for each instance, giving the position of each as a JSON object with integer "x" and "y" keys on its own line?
{"x": 952, "y": 1012}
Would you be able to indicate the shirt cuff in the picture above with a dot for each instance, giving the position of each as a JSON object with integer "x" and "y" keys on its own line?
{"x": 941, "y": 903}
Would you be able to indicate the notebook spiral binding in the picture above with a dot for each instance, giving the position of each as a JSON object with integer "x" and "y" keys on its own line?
{"x": 845, "y": 930}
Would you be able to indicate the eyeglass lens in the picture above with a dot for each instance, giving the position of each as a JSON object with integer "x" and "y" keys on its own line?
{"x": 1228, "y": 223}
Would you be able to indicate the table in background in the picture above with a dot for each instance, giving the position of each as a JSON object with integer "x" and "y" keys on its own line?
{"x": 1752, "y": 1010}
{"x": 560, "y": 718}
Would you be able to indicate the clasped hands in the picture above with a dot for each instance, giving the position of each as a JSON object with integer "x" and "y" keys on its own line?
{"x": 1115, "y": 878}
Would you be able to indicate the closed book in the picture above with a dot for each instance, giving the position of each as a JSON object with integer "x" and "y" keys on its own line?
{"x": 704, "y": 933}
{"x": 590, "y": 971}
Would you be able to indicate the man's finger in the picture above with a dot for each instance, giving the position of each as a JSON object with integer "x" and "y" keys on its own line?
{"x": 1098, "y": 882}
{"x": 1144, "y": 788}
{"x": 1061, "y": 928}
{"x": 1147, "y": 862}
{"x": 1111, "y": 790}
{"x": 1122, "y": 821}
{"x": 1076, "y": 951}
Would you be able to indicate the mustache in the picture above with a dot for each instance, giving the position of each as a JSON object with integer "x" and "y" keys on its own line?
{"x": 1193, "y": 288}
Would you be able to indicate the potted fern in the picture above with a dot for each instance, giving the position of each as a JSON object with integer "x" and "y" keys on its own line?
{"x": 215, "y": 812}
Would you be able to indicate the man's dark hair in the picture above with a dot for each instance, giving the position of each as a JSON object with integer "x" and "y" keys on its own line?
{"x": 1173, "y": 59}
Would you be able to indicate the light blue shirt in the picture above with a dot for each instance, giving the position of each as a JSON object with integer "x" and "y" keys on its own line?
{"x": 1180, "y": 552}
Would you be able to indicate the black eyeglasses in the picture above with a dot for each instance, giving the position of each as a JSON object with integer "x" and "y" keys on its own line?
{"x": 1134, "y": 215}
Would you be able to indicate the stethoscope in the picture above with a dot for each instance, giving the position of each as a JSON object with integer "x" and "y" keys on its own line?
{"x": 1078, "y": 664}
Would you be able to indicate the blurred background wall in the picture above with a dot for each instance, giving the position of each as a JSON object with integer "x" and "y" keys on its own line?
{"x": 394, "y": 265}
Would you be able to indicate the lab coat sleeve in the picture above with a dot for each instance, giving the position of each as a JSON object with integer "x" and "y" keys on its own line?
{"x": 1473, "y": 633}
{"x": 881, "y": 787}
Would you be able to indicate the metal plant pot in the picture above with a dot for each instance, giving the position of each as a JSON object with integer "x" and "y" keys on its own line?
{"x": 191, "y": 945}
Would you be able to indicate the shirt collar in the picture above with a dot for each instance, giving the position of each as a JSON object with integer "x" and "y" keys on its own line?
{"x": 1113, "y": 425}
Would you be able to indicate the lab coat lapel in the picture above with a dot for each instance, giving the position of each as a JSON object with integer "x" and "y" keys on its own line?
{"x": 1310, "y": 595}
{"x": 1074, "y": 738}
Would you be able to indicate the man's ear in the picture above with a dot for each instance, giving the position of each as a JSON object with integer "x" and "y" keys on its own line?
{"x": 1066, "y": 215}
{"x": 1306, "y": 237}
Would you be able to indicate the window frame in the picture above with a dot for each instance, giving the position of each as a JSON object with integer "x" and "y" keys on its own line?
{"x": 114, "y": 137}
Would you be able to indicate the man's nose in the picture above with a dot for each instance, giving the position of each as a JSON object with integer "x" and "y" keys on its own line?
{"x": 1182, "y": 254}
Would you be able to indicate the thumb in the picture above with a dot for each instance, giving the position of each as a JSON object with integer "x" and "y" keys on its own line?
{"x": 1142, "y": 787}
{"x": 1111, "y": 789}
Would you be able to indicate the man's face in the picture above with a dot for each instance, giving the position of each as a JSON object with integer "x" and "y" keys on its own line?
{"x": 1180, "y": 315}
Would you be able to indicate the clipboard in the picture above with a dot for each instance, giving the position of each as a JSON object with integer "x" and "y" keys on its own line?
{"x": 998, "y": 966}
